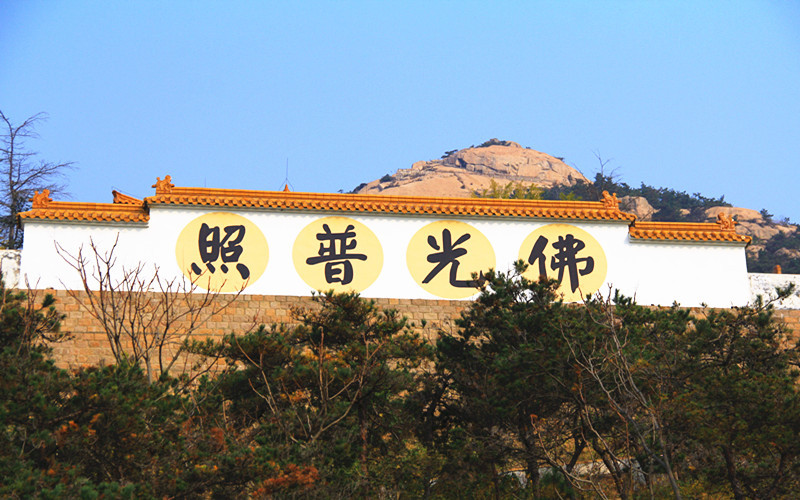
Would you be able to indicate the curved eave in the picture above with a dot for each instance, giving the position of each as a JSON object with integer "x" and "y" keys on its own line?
{"x": 474, "y": 207}
{"x": 88, "y": 212}
{"x": 680, "y": 231}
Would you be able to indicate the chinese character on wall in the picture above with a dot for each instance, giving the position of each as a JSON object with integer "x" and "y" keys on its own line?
{"x": 567, "y": 254}
{"x": 222, "y": 252}
{"x": 445, "y": 257}
{"x": 227, "y": 250}
{"x": 337, "y": 253}
{"x": 333, "y": 251}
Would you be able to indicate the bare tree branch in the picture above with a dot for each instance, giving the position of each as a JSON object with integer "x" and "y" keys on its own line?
{"x": 21, "y": 174}
{"x": 147, "y": 319}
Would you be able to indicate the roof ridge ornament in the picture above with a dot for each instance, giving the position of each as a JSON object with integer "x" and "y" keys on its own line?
{"x": 165, "y": 186}
{"x": 124, "y": 199}
{"x": 610, "y": 201}
{"x": 726, "y": 222}
{"x": 41, "y": 200}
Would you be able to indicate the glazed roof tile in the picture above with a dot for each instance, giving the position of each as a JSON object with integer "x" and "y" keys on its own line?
{"x": 125, "y": 199}
{"x": 283, "y": 200}
{"x": 96, "y": 212}
{"x": 124, "y": 209}
{"x": 685, "y": 231}
{"x": 129, "y": 209}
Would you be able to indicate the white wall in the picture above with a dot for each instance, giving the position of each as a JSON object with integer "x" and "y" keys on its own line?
{"x": 765, "y": 285}
{"x": 9, "y": 264}
{"x": 690, "y": 273}
{"x": 653, "y": 272}
{"x": 45, "y": 268}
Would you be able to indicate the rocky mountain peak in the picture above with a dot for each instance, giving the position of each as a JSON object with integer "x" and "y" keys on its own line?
{"x": 462, "y": 172}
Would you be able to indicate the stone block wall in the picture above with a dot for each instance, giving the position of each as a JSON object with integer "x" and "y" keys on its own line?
{"x": 791, "y": 318}
{"x": 89, "y": 345}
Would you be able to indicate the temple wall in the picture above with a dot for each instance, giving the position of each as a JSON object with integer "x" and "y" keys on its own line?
{"x": 654, "y": 272}
{"x": 417, "y": 255}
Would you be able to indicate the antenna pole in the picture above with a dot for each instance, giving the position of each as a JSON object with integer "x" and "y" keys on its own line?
{"x": 286, "y": 179}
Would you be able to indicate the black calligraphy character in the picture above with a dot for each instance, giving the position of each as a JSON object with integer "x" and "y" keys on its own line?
{"x": 228, "y": 248}
{"x": 568, "y": 248}
{"x": 537, "y": 254}
{"x": 448, "y": 256}
{"x": 338, "y": 268}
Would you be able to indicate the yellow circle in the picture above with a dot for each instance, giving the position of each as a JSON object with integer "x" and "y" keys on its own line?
{"x": 339, "y": 254}
{"x": 443, "y": 256}
{"x": 568, "y": 254}
{"x": 222, "y": 252}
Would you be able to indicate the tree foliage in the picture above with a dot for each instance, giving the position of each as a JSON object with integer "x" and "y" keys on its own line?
{"x": 543, "y": 385}
{"x": 740, "y": 401}
{"x": 527, "y": 397}
{"x": 326, "y": 392}
{"x": 513, "y": 190}
{"x": 669, "y": 204}
{"x": 775, "y": 253}
{"x": 613, "y": 399}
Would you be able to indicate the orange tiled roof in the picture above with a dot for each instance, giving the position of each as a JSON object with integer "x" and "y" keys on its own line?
{"x": 125, "y": 199}
{"x": 125, "y": 209}
{"x": 100, "y": 212}
{"x": 129, "y": 209}
{"x": 167, "y": 194}
{"x": 686, "y": 231}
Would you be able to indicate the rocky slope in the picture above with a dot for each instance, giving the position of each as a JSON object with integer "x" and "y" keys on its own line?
{"x": 462, "y": 172}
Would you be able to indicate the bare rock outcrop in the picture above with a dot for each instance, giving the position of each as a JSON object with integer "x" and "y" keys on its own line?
{"x": 788, "y": 253}
{"x": 751, "y": 222}
{"x": 756, "y": 230}
{"x": 742, "y": 214}
{"x": 753, "y": 249}
{"x": 462, "y": 172}
{"x": 637, "y": 205}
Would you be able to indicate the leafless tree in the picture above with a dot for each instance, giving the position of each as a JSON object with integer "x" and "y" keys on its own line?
{"x": 147, "y": 319}
{"x": 22, "y": 174}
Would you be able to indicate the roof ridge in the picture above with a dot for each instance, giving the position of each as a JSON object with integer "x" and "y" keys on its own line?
{"x": 129, "y": 209}
{"x": 591, "y": 210}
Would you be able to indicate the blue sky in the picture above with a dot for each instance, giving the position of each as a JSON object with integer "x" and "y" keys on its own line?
{"x": 699, "y": 96}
